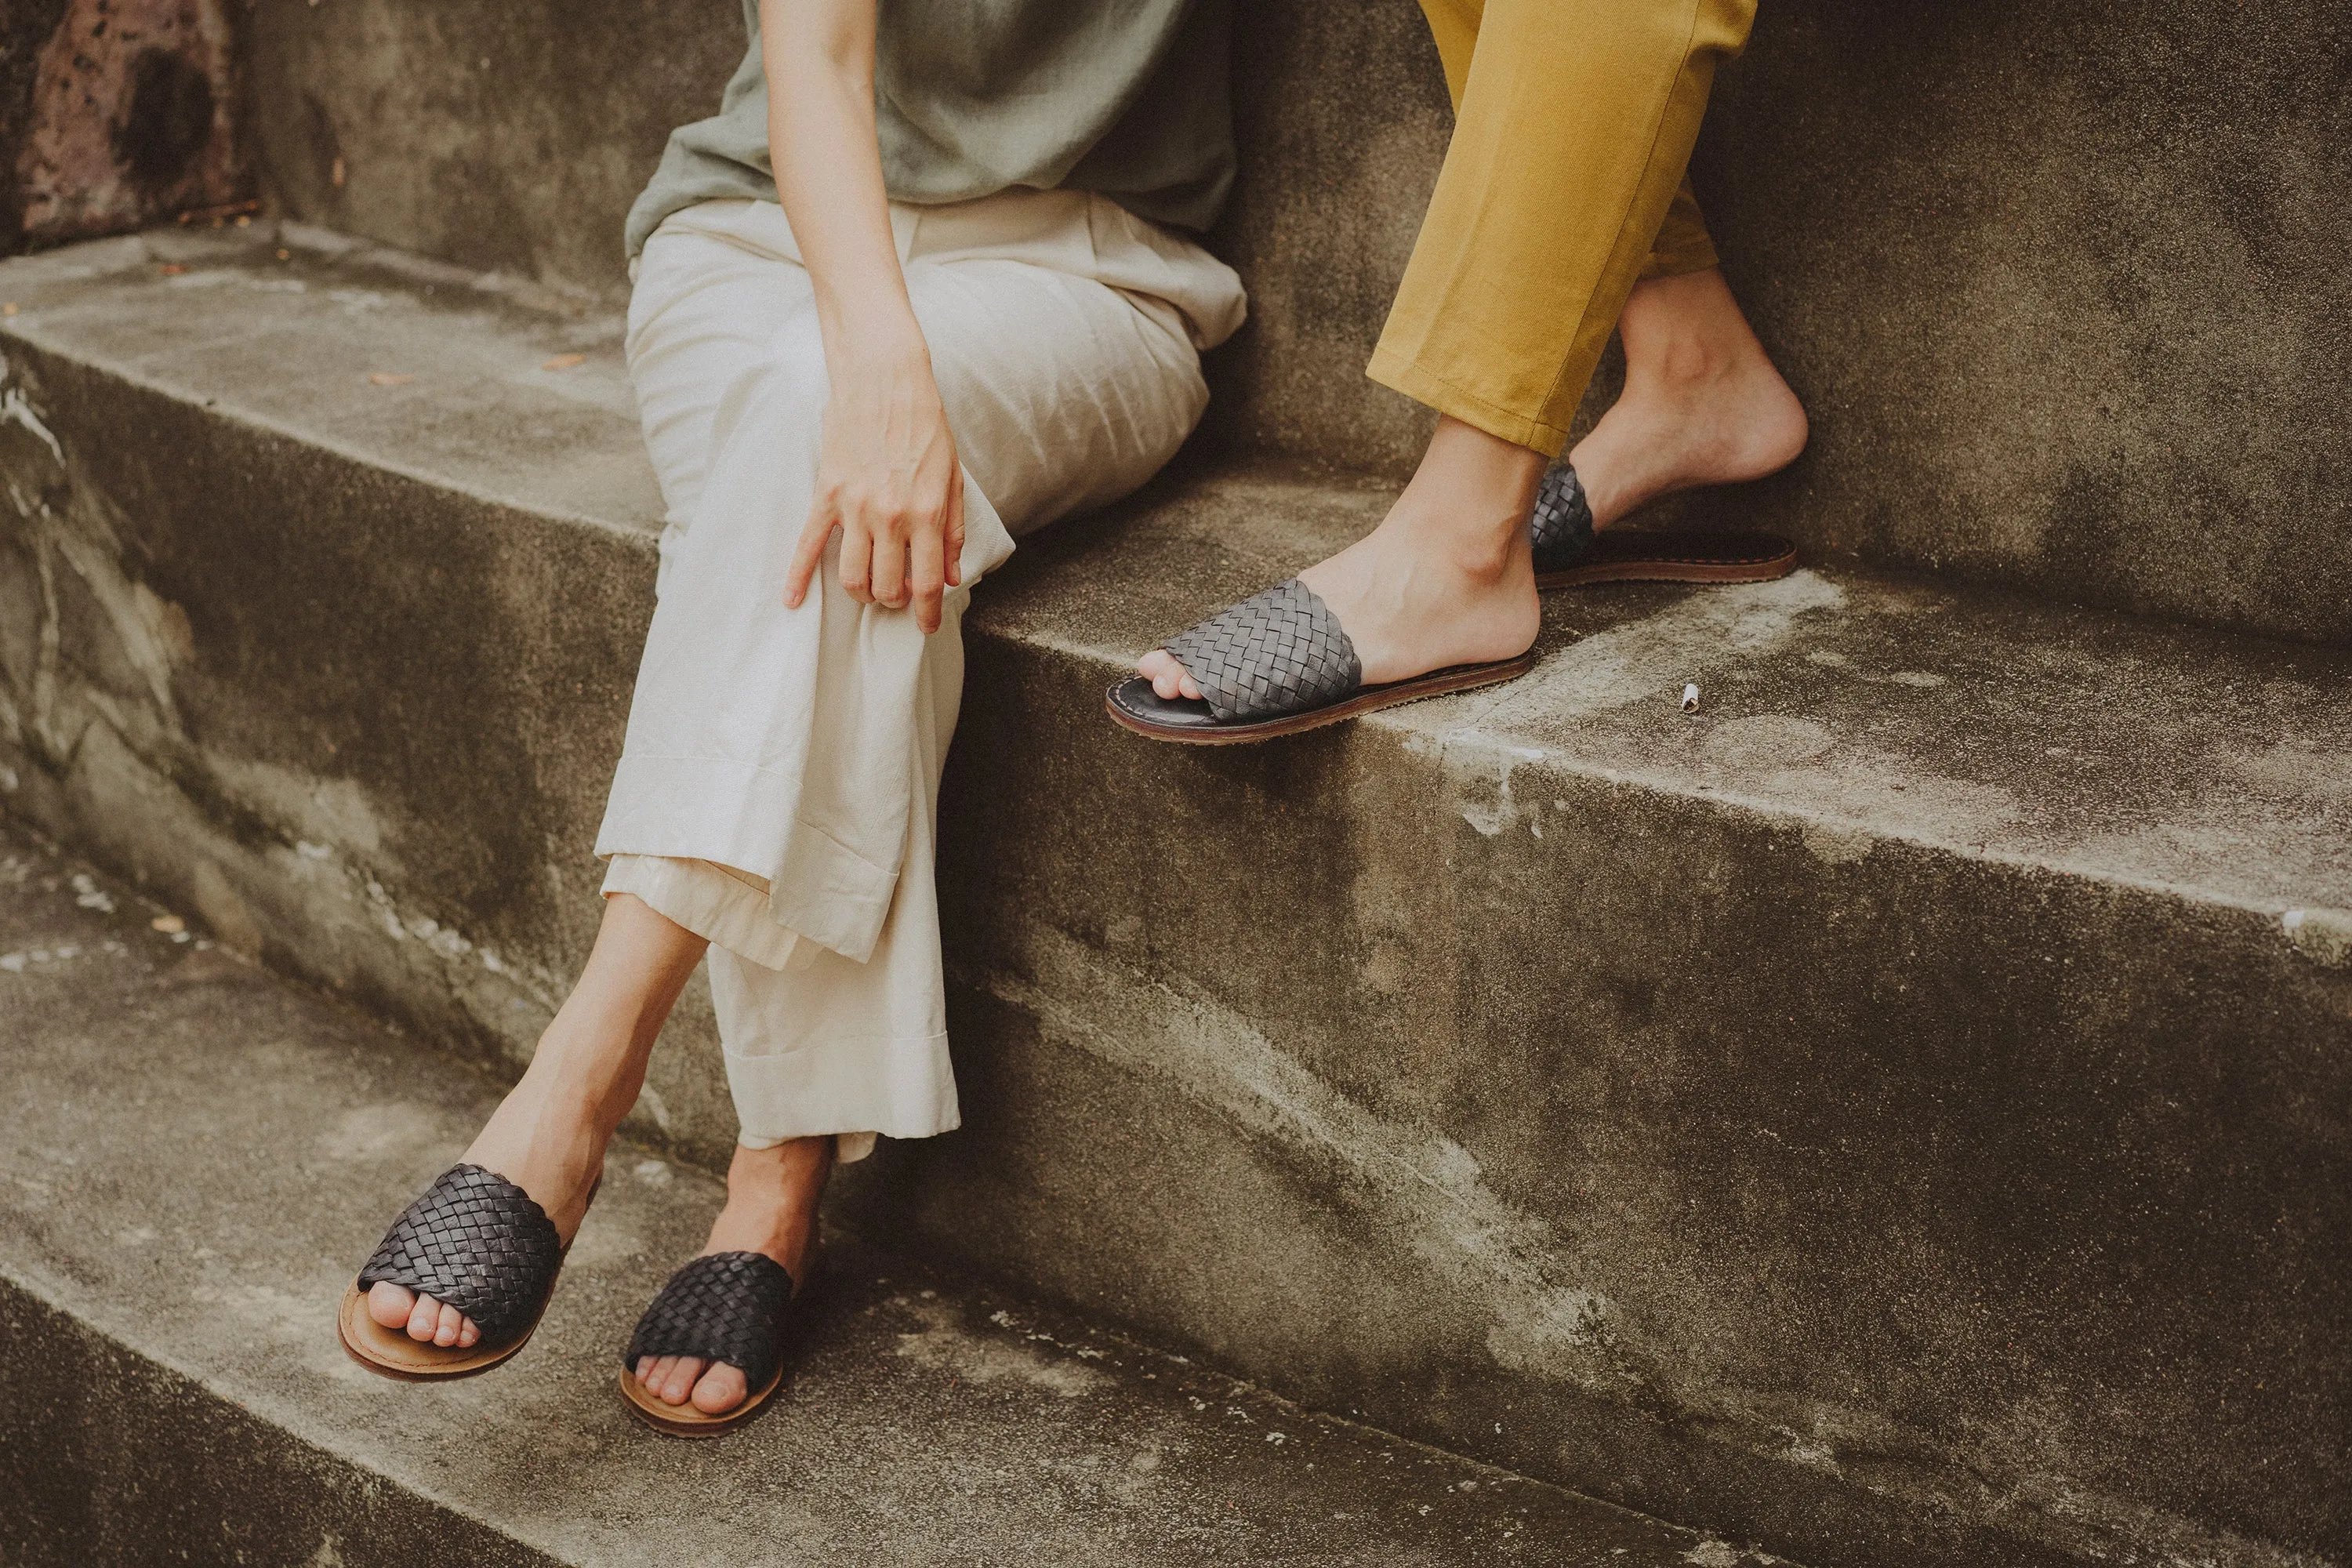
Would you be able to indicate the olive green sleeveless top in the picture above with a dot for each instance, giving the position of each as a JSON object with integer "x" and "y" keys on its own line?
{"x": 1131, "y": 98}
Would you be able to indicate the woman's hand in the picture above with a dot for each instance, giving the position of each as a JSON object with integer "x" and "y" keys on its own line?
{"x": 887, "y": 477}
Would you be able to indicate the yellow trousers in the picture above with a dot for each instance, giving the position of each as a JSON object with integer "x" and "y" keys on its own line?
{"x": 1564, "y": 186}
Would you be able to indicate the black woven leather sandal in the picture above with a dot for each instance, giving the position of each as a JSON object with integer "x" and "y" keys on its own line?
{"x": 1275, "y": 665}
{"x": 1569, "y": 552}
{"x": 727, "y": 1306}
{"x": 476, "y": 1241}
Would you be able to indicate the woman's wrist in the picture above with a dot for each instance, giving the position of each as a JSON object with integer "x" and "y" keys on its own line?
{"x": 881, "y": 336}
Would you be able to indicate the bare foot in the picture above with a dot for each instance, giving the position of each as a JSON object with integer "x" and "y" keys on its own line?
{"x": 1447, "y": 578}
{"x": 1702, "y": 404}
{"x": 548, "y": 1135}
{"x": 771, "y": 1199}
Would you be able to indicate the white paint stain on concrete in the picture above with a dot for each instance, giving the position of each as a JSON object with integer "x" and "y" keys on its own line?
{"x": 1837, "y": 845}
{"x": 2324, "y": 936}
{"x": 944, "y": 1345}
{"x": 16, "y": 410}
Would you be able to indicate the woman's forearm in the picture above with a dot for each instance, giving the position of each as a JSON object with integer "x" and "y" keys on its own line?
{"x": 888, "y": 479}
{"x": 819, "y": 56}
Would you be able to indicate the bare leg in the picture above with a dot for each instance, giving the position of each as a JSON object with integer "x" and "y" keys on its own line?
{"x": 548, "y": 1135}
{"x": 772, "y": 1200}
{"x": 1447, "y": 578}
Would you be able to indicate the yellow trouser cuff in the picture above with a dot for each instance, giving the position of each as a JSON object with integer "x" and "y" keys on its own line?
{"x": 1399, "y": 372}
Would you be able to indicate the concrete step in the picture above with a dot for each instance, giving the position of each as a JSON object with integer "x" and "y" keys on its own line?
{"x": 2110, "y": 374}
{"x": 202, "y": 1155}
{"x": 1897, "y": 1112}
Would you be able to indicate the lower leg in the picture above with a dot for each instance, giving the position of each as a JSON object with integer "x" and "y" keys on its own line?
{"x": 1702, "y": 406}
{"x": 1447, "y": 578}
{"x": 548, "y": 1135}
{"x": 771, "y": 1204}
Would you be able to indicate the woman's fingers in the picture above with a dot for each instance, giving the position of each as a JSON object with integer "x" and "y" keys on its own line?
{"x": 888, "y": 576}
{"x": 927, "y": 576}
{"x": 858, "y": 555}
{"x": 954, "y": 546}
{"x": 888, "y": 558}
{"x": 807, "y": 554}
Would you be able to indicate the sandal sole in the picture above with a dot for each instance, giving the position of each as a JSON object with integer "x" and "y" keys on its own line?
{"x": 1758, "y": 566}
{"x": 390, "y": 1352}
{"x": 1371, "y": 700}
{"x": 685, "y": 1420}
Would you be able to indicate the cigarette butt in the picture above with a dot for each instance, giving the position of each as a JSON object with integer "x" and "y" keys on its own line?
{"x": 388, "y": 378}
{"x": 565, "y": 361}
{"x": 169, "y": 925}
{"x": 1690, "y": 699}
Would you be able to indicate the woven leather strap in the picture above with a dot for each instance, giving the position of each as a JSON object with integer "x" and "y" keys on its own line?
{"x": 1281, "y": 652}
{"x": 1562, "y": 525}
{"x": 477, "y": 1242}
{"x": 728, "y": 1306}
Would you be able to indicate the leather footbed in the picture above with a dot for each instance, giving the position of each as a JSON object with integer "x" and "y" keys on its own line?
{"x": 685, "y": 1420}
{"x": 1367, "y": 699}
{"x": 1663, "y": 555}
{"x": 391, "y": 1353}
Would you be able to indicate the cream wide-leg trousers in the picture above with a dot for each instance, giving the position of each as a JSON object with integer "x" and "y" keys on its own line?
{"x": 777, "y": 793}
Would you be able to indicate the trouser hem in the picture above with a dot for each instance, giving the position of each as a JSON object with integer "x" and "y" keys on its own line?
{"x": 1400, "y": 372}
{"x": 898, "y": 1087}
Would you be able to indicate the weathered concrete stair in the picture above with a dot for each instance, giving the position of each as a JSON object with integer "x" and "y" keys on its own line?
{"x": 2064, "y": 289}
{"x": 1896, "y": 1113}
{"x": 200, "y": 1155}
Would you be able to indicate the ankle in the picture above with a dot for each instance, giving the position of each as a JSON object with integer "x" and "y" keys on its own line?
{"x": 1684, "y": 333}
{"x": 775, "y": 1191}
{"x": 1481, "y": 548}
{"x": 1678, "y": 361}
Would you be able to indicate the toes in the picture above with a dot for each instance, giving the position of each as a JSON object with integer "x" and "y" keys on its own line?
{"x": 722, "y": 1388}
{"x": 468, "y": 1336}
{"x": 390, "y": 1304}
{"x": 1167, "y": 676}
{"x": 645, "y": 1365}
{"x": 423, "y": 1318}
{"x": 682, "y": 1378}
{"x": 446, "y": 1329}
{"x": 674, "y": 1378}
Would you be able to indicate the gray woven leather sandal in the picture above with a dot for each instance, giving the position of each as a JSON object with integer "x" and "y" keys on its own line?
{"x": 729, "y": 1306}
{"x": 475, "y": 1241}
{"x": 1276, "y": 665}
{"x": 1569, "y": 552}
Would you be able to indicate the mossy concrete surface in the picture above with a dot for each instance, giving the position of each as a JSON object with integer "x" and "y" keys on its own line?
{"x": 203, "y": 1157}
{"x": 1898, "y": 1112}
